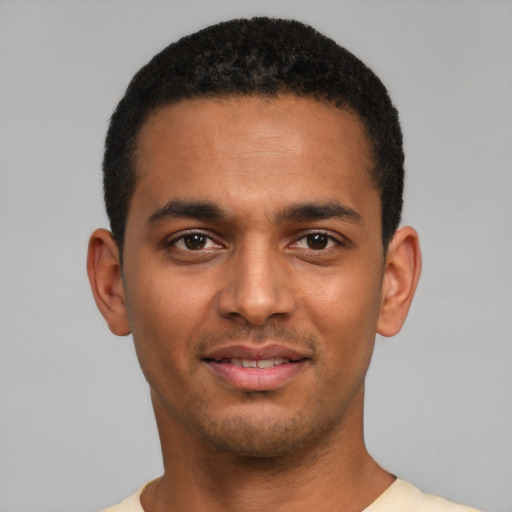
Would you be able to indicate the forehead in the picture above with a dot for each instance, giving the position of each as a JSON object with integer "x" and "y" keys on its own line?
{"x": 297, "y": 119}
{"x": 256, "y": 147}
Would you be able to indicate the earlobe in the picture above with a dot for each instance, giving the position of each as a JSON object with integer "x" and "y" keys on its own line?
{"x": 105, "y": 277}
{"x": 401, "y": 275}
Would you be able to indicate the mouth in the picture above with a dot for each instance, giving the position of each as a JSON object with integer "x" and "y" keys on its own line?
{"x": 248, "y": 369}
{"x": 255, "y": 363}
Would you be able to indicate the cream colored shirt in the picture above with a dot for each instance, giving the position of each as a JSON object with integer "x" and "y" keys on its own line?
{"x": 400, "y": 496}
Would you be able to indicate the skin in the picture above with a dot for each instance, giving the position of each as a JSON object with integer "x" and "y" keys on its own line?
{"x": 263, "y": 262}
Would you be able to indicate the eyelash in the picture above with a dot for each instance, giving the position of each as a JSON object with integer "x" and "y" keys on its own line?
{"x": 331, "y": 242}
{"x": 183, "y": 236}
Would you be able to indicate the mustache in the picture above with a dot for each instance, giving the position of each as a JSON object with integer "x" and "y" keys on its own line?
{"x": 258, "y": 334}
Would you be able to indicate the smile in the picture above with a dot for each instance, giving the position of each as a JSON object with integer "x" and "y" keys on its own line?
{"x": 246, "y": 369}
{"x": 261, "y": 363}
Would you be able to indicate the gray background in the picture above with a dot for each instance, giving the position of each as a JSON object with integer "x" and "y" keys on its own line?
{"x": 77, "y": 432}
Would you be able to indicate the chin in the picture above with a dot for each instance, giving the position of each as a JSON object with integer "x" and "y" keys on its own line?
{"x": 267, "y": 439}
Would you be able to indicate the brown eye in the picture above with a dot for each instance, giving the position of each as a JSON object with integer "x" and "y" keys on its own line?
{"x": 195, "y": 241}
{"x": 317, "y": 241}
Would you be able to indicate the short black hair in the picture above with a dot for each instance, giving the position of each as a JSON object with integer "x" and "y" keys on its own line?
{"x": 258, "y": 56}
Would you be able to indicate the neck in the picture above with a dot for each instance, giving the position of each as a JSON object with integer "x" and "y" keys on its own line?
{"x": 336, "y": 473}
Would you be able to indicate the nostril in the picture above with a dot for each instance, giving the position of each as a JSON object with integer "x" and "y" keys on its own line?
{"x": 256, "y": 287}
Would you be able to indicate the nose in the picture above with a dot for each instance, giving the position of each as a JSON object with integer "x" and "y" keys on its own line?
{"x": 257, "y": 286}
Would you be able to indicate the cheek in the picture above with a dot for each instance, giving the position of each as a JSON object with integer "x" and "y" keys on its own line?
{"x": 344, "y": 307}
{"x": 162, "y": 297}
{"x": 165, "y": 313}
{"x": 348, "y": 293}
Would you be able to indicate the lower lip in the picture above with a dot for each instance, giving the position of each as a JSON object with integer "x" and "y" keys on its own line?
{"x": 257, "y": 379}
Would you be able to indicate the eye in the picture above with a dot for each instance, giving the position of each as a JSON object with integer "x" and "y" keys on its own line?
{"x": 195, "y": 241}
{"x": 316, "y": 242}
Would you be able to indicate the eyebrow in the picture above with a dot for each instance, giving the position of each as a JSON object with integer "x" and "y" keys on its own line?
{"x": 320, "y": 211}
{"x": 177, "y": 208}
{"x": 204, "y": 210}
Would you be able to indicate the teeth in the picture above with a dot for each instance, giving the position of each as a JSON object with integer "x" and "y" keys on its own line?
{"x": 266, "y": 363}
{"x": 261, "y": 363}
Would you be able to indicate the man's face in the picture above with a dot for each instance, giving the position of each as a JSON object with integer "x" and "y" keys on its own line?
{"x": 253, "y": 266}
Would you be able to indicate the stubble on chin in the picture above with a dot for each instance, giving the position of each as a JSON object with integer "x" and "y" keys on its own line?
{"x": 266, "y": 437}
{"x": 262, "y": 437}
{"x": 262, "y": 441}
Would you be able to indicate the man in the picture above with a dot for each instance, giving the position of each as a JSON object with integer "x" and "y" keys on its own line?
{"x": 253, "y": 178}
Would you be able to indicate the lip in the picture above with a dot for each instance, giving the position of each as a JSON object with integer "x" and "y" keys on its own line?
{"x": 240, "y": 351}
{"x": 255, "y": 379}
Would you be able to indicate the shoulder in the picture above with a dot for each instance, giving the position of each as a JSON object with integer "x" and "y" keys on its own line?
{"x": 402, "y": 496}
{"x": 131, "y": 504}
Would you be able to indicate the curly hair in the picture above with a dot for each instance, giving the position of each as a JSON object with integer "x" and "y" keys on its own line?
{"x": 258, "y": 56}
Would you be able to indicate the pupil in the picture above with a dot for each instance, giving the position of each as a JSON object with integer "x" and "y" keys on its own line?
{"x": 317, "y": 241}
{"x": 196, "y": 241}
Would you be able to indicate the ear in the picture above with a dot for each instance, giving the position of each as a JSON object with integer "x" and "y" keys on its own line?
{"x": 105, "y": 276}
{"x": 401, "y": 275}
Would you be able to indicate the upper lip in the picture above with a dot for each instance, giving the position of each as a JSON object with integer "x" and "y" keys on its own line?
{"x": 250, "y": 352}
